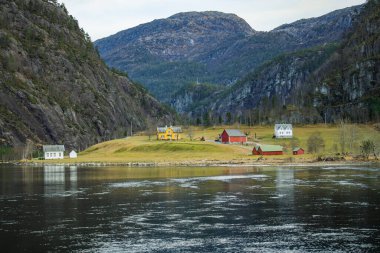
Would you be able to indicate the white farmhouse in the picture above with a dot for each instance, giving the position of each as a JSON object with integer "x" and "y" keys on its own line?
{"x": 53, "y": 151}
{"x": 73, "y": 154}
{"x": 283, "y": 130}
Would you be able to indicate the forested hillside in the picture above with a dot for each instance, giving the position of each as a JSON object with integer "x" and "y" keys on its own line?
{"x": 54, "y": 88}
{"x": 351, "y": 78}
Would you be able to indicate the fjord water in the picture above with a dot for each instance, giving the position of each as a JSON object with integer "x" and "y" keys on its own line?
{"x": 221, "y": 209}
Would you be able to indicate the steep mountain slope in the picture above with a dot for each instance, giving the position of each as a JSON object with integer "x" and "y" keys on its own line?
{"x": 351, "y": 79}
{"x": 274, "y": 91}
{"x": 192, "y": 96}
{"x": 213, "y": 47}
{"x": 327, "y": 83}
{"x": 53, "y": 86}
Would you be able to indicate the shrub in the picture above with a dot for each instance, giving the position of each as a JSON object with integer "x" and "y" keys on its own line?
{"x": 5, "y": 41}
{"x": 367, "y": 147}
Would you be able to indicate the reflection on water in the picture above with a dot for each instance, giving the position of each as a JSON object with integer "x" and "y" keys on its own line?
{"x": 57, "y": 208}
{"x": 285, "y": 188}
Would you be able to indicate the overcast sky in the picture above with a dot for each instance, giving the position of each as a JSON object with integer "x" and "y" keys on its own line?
{"x": 101, "y": 18}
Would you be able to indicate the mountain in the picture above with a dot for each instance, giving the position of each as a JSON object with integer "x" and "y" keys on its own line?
{"x": 211, "y": 47}
{"x": 278, "y": 90}
{"x": 54, "y": 88}
{"x": 348, "y": 84}
{"x": 167, "y": 53}
{"x": 329, "y": 83}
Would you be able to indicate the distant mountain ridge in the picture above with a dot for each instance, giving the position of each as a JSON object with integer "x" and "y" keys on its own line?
{"x": 212, "y": 47}
{"x": 177, "y": 37}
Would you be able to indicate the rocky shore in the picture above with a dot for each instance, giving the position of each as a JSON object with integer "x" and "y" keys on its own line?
{"x": 205, "y": 163}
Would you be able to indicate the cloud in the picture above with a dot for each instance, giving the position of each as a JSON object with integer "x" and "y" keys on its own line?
{"x": 102, "y": 18}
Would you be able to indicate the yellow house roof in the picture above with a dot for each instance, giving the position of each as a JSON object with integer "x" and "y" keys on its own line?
{"x": 174, "y": 128}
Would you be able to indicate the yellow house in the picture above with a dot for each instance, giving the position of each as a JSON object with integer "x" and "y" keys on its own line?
{"x": 169, "y": 133}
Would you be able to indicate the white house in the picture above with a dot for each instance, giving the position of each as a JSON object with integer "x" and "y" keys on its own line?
{"x": 53, "y": 151}
{"x": 73, "y": 154}
{"x": 283, "y": 130}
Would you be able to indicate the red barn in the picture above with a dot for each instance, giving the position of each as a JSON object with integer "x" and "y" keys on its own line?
{"x": 267, "y": 150}
{"x": 233, "y": 136}
{"x": 298, "y": 151}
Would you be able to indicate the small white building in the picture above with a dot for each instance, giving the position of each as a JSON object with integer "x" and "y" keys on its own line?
{"x": 73, "y": 154}
{"x": 283, "y": 130}
{"x": 53, "y": 151}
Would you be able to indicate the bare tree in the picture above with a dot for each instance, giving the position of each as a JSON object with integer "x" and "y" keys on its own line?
{"x": 348, "y": 136}
{"x": 315, "y": 143}
{"x": 28, "y": 150}
{"x": 151, "y": 131}
{"x": 352, "y": 132}
{"x": 342, "y": 136}
{"x": 190, "y": 133}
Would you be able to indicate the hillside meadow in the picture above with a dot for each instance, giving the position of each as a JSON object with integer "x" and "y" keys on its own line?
{"x": 142, "y": 149}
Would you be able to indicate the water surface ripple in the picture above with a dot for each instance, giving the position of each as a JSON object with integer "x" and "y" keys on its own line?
{"x": 113, "y": 209}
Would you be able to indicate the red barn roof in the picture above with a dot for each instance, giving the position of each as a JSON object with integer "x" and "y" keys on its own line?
{"x": 234, "y": 133}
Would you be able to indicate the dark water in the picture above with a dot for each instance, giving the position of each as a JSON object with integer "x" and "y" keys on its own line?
{"x": 328, "y": 209}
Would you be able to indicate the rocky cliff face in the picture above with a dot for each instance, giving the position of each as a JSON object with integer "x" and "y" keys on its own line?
{"x": 193, "y": 96}
{"x": 53, "y": 86}
{"x": 278, "y": 90}
{"x": 213, "y": 47}
{"x": 348, "y": 85}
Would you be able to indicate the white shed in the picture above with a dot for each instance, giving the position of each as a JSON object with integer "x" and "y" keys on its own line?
{"x": 53, "y": 151}
{"x": 283, "y": 131}
{"x": 73, "y": 154}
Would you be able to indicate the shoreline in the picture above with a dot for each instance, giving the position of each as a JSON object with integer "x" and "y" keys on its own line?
{"x": 203, "y": 163}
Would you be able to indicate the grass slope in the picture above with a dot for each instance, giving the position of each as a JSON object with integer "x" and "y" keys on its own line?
{"x": 141, "y": 149}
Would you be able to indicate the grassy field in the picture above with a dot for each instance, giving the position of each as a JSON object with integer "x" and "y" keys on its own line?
{"x": 330, "y": 134}
{"x": 140, "y": 149}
